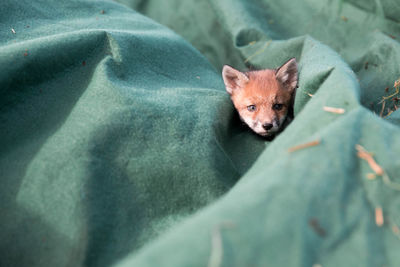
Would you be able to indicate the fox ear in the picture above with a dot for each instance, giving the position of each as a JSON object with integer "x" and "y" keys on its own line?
{"x": 287, "y": 74}
{"x": 233, "y": 79}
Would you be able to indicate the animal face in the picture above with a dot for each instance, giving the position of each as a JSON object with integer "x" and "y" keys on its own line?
{"x": 263, "y": 98}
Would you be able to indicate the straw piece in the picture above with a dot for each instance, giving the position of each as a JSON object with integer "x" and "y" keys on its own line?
{"x": 382, "y": 109}
{"x": 305, "y": 145}
{"x": 379, "y": 216}
{"x": 365, "y": 155}
{"x": 335, "y": 110}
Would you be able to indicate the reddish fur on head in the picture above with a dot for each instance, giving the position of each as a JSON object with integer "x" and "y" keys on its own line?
{"x": 263, "y": 98}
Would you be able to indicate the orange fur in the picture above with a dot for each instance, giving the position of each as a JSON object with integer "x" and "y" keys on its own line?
{"x": 264, "y": 90}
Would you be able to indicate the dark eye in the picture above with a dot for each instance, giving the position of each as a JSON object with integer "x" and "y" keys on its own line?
{"x": 277, "y": 106}
{"x": 251, "y": 108}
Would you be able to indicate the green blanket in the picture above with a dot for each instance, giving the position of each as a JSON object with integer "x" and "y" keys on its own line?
{"x": 120, "y": 147}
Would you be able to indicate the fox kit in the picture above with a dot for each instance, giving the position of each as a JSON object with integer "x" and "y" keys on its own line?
{"x": 263, "y": 98}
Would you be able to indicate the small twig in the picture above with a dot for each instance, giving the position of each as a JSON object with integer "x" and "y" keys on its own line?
{"x": 397, "y": 86}
{"x": 383, "y": 108}
{"x": 305, "y": 145}
{"x": 365, "y": 155}
{"x": 334, "y": 110}
{"x": 379, "y": 220}
{"x": 389, "y": 112}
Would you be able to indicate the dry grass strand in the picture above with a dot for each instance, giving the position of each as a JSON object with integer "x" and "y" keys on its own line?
{"x": 367, "y": 156}
{"x": 334, "y": 110}
{"x": 305, "y": 145}
{"x": 379, "y": 220}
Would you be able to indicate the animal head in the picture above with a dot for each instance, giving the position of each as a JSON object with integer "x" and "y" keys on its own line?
{"x": 263, "y": 98}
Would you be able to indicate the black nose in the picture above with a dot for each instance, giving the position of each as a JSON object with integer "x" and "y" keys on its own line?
{"x": 267, "y": 126}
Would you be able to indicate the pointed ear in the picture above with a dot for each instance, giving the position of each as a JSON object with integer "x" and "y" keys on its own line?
{"x": 233, "y": 79}
{"x": 287, "y": 74}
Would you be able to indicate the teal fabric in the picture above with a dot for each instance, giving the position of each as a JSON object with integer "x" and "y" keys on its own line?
{"x": 120, "y": 147}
